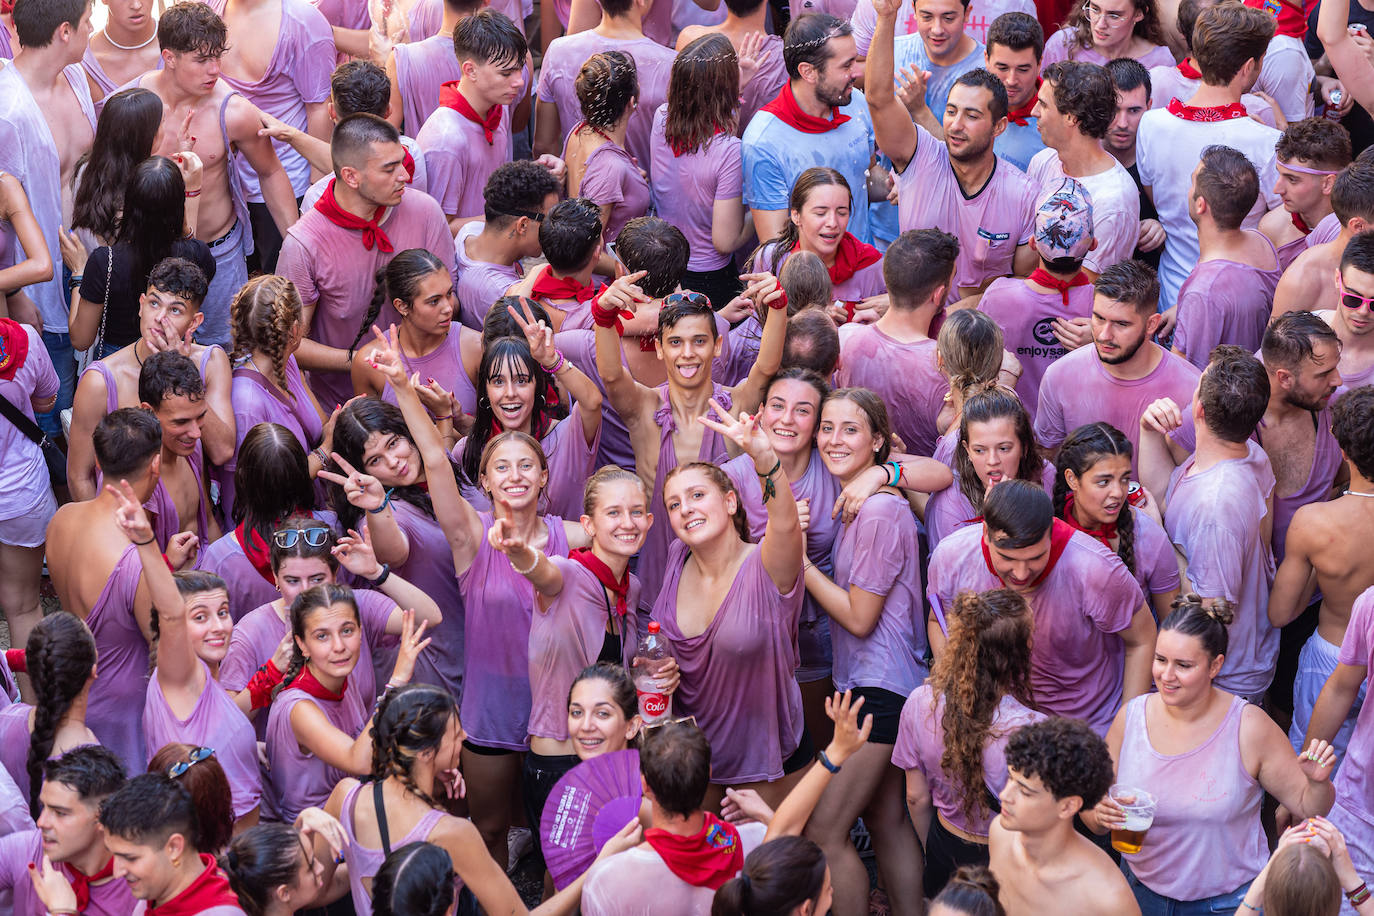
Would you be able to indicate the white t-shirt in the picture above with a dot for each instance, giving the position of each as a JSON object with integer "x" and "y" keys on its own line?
{"x": 1286, "y": 75}
{"x": 1116, "y": 207}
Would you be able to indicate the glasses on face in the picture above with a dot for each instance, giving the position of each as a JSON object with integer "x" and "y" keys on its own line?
{"x": 1093, "y": 11}
{"x": 199, "y": 754}
{"x": 288, "y": 537}
{"x": 1353, "y": 301}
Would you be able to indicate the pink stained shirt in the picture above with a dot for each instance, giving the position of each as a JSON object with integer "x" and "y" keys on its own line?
{"x": 949, "y": 510}
{"x": 687, "y": 187}
{"x": 611, "y": 177}
{"x": 904, "y": 375}
{"x": 1116, "y": 206}
{"x": 257, "y": 400}
{"x": 459, "y": 160}
{"x": 21, "y": 849}
{"x": 1325, "y": 231}
{"x": 1224, "y": 302}
{"x": 980, "y": 14}
{"x": 24, "y": 483}
{"x": 443, "y": 364}
{"x": 480, "y": 283}
{"x": 1026, "y": 318}
{"x": 115, "y": 711}
{"x": 421, "y": 68}
{"x": 1355, "y": 779}
{"x": 297, "y": 779}
{"x": 1063, "y": 46}
{"x": 1214, "y": 518}
{"x": 1156, "y": 564}
{"x": 866, "y": 282}
{"x": 1083, "y": 602}
{"x": 571, "y": 460}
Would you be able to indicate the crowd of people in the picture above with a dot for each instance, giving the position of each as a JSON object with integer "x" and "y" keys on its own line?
{"x": 916, "y": 452}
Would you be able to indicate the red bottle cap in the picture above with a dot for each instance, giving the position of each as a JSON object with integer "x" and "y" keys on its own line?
{"x": 653, "y": 626}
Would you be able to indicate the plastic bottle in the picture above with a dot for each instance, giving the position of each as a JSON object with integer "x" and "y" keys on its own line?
{"x": 650, "y": 658}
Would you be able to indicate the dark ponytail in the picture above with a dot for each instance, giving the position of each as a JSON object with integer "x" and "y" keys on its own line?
{"x": 1206, "y": 623}
{"x": 972, "y": 891}
{"x": 61, "y": 654}
{"x": 399, "y": 279}
{"x": 777, "y": 878}
{"x": 415, "y": 880}
{"x": 320, "y": 596}
{"x": 260, "y": 860}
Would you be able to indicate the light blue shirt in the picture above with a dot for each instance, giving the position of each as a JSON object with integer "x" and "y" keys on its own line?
{"x": 1018, "y": 144}
{"x": 910, "y": 51}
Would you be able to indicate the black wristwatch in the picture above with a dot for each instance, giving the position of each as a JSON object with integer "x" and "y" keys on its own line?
{"x": 381, "y": 577}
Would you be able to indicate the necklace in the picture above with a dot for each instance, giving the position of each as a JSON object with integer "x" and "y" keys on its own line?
{"x": 136, "y": 356}
{"x": 143, "y": 44}
{"x": 1358, "y": 493}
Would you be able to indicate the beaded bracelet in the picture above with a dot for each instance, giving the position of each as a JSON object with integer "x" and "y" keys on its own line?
{"x": 1358, "y": 895}
{"x": 558, "y": 364}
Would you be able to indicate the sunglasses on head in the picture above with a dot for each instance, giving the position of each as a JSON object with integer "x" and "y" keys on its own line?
{"x": 528, "y": 214}
{"x": 685, "y": 720}
{"x": 288, "y": 537}
{"x": 694, "y": 298}
{"x": 1353, "y": 301}
{"x": 199, "y": 754}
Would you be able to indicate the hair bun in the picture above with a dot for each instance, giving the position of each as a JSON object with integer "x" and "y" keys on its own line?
{"x": 1221, "y": 610}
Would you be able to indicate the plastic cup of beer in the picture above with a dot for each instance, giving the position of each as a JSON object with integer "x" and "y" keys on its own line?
{"x": 1140, "y": 814}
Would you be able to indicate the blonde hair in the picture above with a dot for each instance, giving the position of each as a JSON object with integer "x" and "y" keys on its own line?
{"x": 262, "y": 316}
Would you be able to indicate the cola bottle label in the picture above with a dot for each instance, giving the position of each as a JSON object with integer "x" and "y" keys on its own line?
{"x": 652, "y": 705}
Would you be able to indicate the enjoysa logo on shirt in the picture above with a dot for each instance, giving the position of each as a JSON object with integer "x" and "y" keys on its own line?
{"x": 1046, "y": 344}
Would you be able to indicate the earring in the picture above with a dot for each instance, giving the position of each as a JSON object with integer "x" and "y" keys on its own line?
{"x": 483, "y": 403}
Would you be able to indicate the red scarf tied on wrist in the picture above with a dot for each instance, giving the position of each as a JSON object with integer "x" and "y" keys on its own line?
{"x": 1045, "y": 278}
{"x": 371, "y": 229}
{"x": 785, "y": 108}
{"x": 1060, "y": 532}
{"x": 619, "y": 587}
{"x": 1207, "y": 115}
{"x": 1187, "y": 68}
{"x": 81, "y": 884}
{"x": 1103, "y": 534}
{"x": 1021, "y": 116}
{"x": 311, "y": 685}
{"x": 707, "y": 859}
{"x": 547, "y": 286}
{"x": 208, "y": 891}
{"x": 450, "y": 97}
{"x": 851, "y": 257}
{"x": 14, "y": 347}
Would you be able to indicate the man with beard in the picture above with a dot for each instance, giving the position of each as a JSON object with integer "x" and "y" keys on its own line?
{"x": 1122, "y": 372}
{"x": 960, "y": 185}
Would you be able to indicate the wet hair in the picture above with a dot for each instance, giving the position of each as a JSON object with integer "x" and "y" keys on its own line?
{"x": 871, "y": 405}
{"x": 61, "y": 654}
{"x": 505, "y": 354}
{"x": 489, "y": 37}
{"x": 606, "y": 86}
{"x": 1085, "y": 91}
{"x": 657, "y": 246}
{"x": 409, "y": 721}
{"x": 92, "y": 771}
{"x": 124, "y": 137}
{"x": 1302, "y": 882}
{"x": 1017, "y": 32}
{"x": 301, "y": 550}
{"x": 972, "y": 891}
{"x": 35, "y": 21}
{"x": 1321, "y": 142}
{"x": 356, "y": 423}
{"x": 1352, "y": 429}
{"x": 148, "y": 809}
{"x": 1127, "y": 74}
{"x": 918, "y": 262}
{"x": 126, "y": 440}
{"x": 988, "y": 657}
{"x": 1067, "y": 756}
{"x": 360, "y": 86}
{"x": 1229, "y": 184}
{"x": 604, "y": 476}
{"x": 153, "y": 217}
{"x": 354, "y": 136}
{"x": 1233, "y": 392}
{"x": 703, "y": 93}
{"x": 723, "y": 483}
{"x": 1147, "y": 28}
{"x": 811, "y": 342}
{"x": 1352, "y": 194}
{"x": 1019, "y": 513}
{"x": 272, "y": 479}
{"x": 180, "y": 277}
{"x": 618, "y": 679}
{"x": 970, "y": 345}
{"x": 982, "y": 78}
{"x": 675, "y": 760}
{"x": 516, "y": 189}
{"x": 779, "y": 248}
{"x": 1130, "y": 282}
{"x": 415, "y": 880}
{"x": 258, "y": 861}
{"x": 399, "y": 279}
{"x": 192, "y": 27}
{"x": 1289, "y": 339}
{"x": 807, "y": 41}
{"x": 805, "y": 282}
{"x": 984, "y": 407}
{"x": 168, "y": 374}
{"x": 778, "y": 877}
{"x": 498, "y": 322}
{"x": 676, "y": 309}
{"x": 210, "y": 795}
{"x": 262, "y": 316}
{"x": 1359, "y": 253}
{"x": 318, "y": 597}
{"x": 1085, "y": 447}
{"x": 1206, "y": 623}
{"x": 1227, "y": 35}
{"x": 570, "y": 234}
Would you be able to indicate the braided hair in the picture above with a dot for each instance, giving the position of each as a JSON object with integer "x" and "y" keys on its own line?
{"x": 1083, "y": 448}
{"x": 399, "y": 280}
{"x": 409, "y": 720}
{"x": 61, "y": 657}
{"x": 312, "y": 599}
{"x": 263, "y": 316}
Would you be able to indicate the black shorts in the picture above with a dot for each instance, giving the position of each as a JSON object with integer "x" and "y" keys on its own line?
{"x": 886, "y": 709}
{"x": 482, "y": 750}
{"x": 804, "y": 754}
{"x": 538, "y": 775}
{"x": 945, "y": 852}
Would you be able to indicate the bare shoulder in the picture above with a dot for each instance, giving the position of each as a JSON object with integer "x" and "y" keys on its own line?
{"x": 241, "y": 117}
{"x": 1101, "y": 880}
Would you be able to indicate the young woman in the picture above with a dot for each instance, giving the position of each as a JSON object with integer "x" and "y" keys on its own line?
{"x": 415, "y": 880}
{"x": 603, "y": 711}
{"x": 1102, "y": 30}
{"x": 129, "y": 129}
{"x": 1307, "y": 875}
{"x": 968, "y": 353}
{"x": 874, "y": 602}
{"x": 955, "y": 727}
{"x": 1092, "y": 490}
{"x": 995, "y": 444}
{"x": 280, "y": 869}
{"x": 197, "y": 767}
{"x": 1167, "y": 742}
{"x": 698, "y": 171}
{"x": 783, "y": 876}
{"x": 972, "y": 891}
{"x": 599, "y": 167}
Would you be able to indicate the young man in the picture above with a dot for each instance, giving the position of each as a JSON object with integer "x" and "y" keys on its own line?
{"x": 416, "y": 69}
{"x": 744, "y": 18}
{"x": 69, "y": 836}
{"x": 1310, "y": 154}
{"x": 1015, "y": 45}
{"x": 1228, "y": 47}
{"x": 978, "y": 19}
{"x": 334, "y": 252}
{"x": 516, "y": 203}
{"x": 895, "y": 356}
{"x": 1041, "y": 316}
{"x": 149, "y": 824}
{"x": 812, "y": 342}
{"x": 959, "y": 184}
{"x": 1055, "y": 769}
{"x": 46, "y": 126}
{"x": 1219, "y": 507}
{"x": 169, "y": 384}
{"x": 169, "y": 312}
{"x": 1288, "y": 71}
{"x": 222, "y": 125}
{"x": 1122, "y": 372}
{"x": 1131, "y": 81}
{"x": 939, "y": 51}
{"x": 1306, "y": 283}
{"x": 570, "y": 239}
{"x": 818, "y": 118}
{"x": 468, "y": 135}
{"x": 1181, "y": 81}
{"x": 122, "y": 50}
{"x": 1074, "y": 110}
{"x": 1229, "y": 294}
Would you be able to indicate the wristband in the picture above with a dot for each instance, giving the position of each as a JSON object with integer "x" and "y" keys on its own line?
{"x": 604, "y": 317}
{"x": 1358, "y": 895}
{"x": 261, "y": 685}
{"x": 385, "y": 502}
{"x": 896, "y": 473}
{"x": 770, "y": 489}
{"x": 442, "y": 419}
{"x": 195, "y": 193}
{"x": 144, "y": 543}
{"x": 18, "y": 660}
{"x": 558, "y": 364}
{"x": 381, "y": 577}
{"x": 320, "y": 453}
{"x": 825, "y": 762}
{"x": 74, "y": 282}
{"x": 1250, "y": 906}
{"x": 526, "y": 572}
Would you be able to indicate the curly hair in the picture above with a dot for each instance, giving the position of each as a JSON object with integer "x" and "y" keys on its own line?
{"x": 1147, "y": 28}
{"x": 409, "y": 720}
{"x": 1083, "y": 448}
{"x": 988, "y": 657}
{"x": 262, "y": 316}
{"x": 1067, "y": 756}
{"x": 984, "y": 407}
{"x": 61, "y": 654}
{"x": 1085, "y": 91}
{"x": 1352, "y": 429}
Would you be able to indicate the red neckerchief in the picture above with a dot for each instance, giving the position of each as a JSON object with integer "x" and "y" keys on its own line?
{"x": 372, "y": 231}
{"x": 408, "y": 161}
{"x": 547, "y": 286}
{"x": 1103, "y": 534}
{"x": 707, "y": 859}
{"x": 450, "y": 97}
{"x": 81, "y": 884}
{"x": 311, "y": 685}
{"x": 1186, "y": 67}
{"x": 256, "y": 550}
{"x": 680, "y": 148}
{"x": 851, "y": 257}
{"x": 786, "y": 109}
{"x": 596, "y": 567}
{"x": 14, "y": 346}
{"x": 208, "y": 891}
{"x": 1020, "y": 116}
{"x": 1207, "y": 115}
{"x": 1301, "y": 225}
{"x": 1045, "y": 278}
{"x": 1060, "y": 532}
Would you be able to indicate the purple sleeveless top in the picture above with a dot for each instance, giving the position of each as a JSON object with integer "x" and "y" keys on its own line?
{"x": 571, "y": 461}
{"x": 737, "y": 675}
{"x": 444, "y": 365}
{"x": 15, "y": 739}
{"x": 567, "y": 638}
{"x": 363, "y": 861}
{"x": 91, "y": 64}
{"x": 610, "y": 176}
{"x": 1206, "y": 801}
{"x": 297, "y": 778}
{"x": 214, "y": 722}
{"x": 162, "y": 508}
{"x": 496, "y": 704}
{"x": 421, "y": 67}
{"x": 256, "y": 400}
{"x": 115, "y": 710}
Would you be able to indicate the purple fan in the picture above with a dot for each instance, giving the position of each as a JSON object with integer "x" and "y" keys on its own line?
{"x": 586, "y": 808}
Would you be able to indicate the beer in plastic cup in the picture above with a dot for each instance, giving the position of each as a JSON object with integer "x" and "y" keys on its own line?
{"x": 1140, "y": 814}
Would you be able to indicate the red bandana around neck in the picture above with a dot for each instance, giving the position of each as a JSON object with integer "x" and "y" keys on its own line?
{"x": 372, "y": 231}
{"x": 1021, "y": 116}
{"x": 1207, "y": 115}
{"x": 311, "y": 685}
{"x": 547, "y": 286}
{"x": 1060, "y": 532}
{"x": 1045, "y": 278}
{"x": 1186, "y": 67}
{"x": 1103, "y": 534}
{"x": 14, "y": 346}
{"x": 208, "y": 891}
{"x": 680, "y": 148}
{"x": 851, "y": 257}
{"x": 81, "y": 884}
{"x": 450, "y": 97}
{"x": 707, "y": 859}
{"x": 785, "y": 108}
{"x": 256, "y": 550}
{"x": 1301, "y": 225}
{"x": 619, "y": 587}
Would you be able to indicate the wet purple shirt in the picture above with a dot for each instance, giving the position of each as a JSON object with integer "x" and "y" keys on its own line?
{"x": 480, "y": 283}
{"x": 115, "y": 710}
{"x": 687, "y": 187}
{"x": 611, "y": 177}
{"x": 904, "y": 375}
{"x": 20, "y": 850}
{"x": 1027, "y": 321}
{"x": 256, "y": 400}
{"x": 443, "y": 364}
{"x": 571, "y": 461}
{"x": 1224, "y": 302}
{"x": 421, "y": 68}
{"x": 24, "y": 483}
{"x": 459, "y": 160}
{"x": 1355, "y": 779}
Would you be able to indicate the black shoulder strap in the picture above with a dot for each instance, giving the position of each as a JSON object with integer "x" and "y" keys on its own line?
{"x": 379, "y": 809}
{"x": 22, "y": 423}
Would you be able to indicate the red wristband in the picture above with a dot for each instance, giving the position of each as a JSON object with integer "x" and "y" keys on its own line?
{"x": 848, "y": 312}
{"x": 261, "y": 685}
{"x": 17, "y": 660}
{"x": 608, "y": 317}
{"x": 782, "y": 300}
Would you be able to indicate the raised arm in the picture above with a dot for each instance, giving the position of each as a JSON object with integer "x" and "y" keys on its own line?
{"x": 766, "y": 292}
{"x": 892, "y": 125}
{"x": 635, "y": 403}
{"x": 586, "y": 396}
{"x": 795, "y": 810}
{"x": 355, "y": 554}
{"x": 1156, "y": 463}
{"x": 1345, "y": 56}
{"x": 367, "y": 493}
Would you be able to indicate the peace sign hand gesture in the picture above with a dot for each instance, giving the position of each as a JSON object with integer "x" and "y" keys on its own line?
{"x": 355, "y": 554}
{"x": 744, "y": 431}
{"x": 129, "y": 514}
{"x": 386, "y": 358}
{"x": 362, "y": 490}
{"x": 538, "y": 335}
